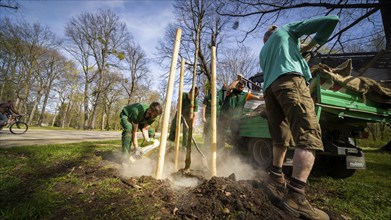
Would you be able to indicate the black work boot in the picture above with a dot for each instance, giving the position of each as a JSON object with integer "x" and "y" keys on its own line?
{"x": 296, "y": 203}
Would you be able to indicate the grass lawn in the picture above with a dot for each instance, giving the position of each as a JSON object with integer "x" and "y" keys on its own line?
{"x": 30, "y": 178}
{"x": 365, "y": 195}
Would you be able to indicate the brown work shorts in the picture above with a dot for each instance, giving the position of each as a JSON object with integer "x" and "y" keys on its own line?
{"x": 291, "y": 114}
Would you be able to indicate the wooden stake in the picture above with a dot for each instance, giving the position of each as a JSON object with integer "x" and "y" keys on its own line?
{"x": 213, "y": 142}
{"x": 166, "y": 113}
{"x": 179, "y": 113}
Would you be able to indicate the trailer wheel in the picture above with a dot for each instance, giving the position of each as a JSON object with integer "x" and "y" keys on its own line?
{"x": 262, "y": 152}
{"x": 338, "y": 168}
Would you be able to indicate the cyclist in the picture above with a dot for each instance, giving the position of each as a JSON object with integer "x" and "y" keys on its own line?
{"x": 6, "y": 108}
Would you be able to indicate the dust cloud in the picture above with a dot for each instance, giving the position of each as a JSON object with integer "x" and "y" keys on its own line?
{"x": 227, "y": 163}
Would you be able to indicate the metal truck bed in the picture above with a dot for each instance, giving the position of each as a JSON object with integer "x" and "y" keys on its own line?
{"x": 344, "y": 103}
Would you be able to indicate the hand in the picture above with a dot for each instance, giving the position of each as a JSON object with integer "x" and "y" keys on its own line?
{"x": 304, "y": 48}
{"x": 147, "y": 141}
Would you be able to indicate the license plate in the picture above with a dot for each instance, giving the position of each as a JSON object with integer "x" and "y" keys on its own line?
{"x": 354, "y": 162}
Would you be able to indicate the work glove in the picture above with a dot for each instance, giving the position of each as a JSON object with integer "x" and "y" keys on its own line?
{"x": 147, "y": 142}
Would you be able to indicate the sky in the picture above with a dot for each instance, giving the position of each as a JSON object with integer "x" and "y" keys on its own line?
{"x": 145, "y": 19}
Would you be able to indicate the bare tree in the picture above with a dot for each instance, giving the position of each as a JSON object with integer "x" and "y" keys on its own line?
{"x": 355, "y": 16}
{"x": 136, "y": 62}
{"x": 55, "y": 66}
{"x": 236, "y": 61}
{"x": 69, "y": 93}
{"x": 111, "y": 98}
{"x": 194, "y": 16}
{"x": 25, "y": 44}
{"x": 77, "y": 46}
{"x": 98, "y": 38}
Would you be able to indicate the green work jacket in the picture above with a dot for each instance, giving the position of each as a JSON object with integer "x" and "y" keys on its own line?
{"x": 233, "y": 105}
{"x": 136, "y": 114}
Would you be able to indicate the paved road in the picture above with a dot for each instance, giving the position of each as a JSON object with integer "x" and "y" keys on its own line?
{"x": 40, "y": 137}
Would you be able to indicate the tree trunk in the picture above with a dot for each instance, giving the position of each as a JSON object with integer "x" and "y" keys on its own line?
{"x": 108, "y": 127}
{"x": 31, "y": 116}
{"x": 32, "y": 113}
{"x": 94, "y": 112}
{"x": 190, "y": 131}
{"x": 103, "y": 122}
{"x": 45, "y": 102}
{"x": 85, "y": 124}
{"x": 65, "y": 117}
{"x": 55, "y": 116}
{"x": 386, "y": 17}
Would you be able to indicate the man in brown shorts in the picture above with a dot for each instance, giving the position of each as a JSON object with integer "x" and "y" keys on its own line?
{"x": 290, "y": 110}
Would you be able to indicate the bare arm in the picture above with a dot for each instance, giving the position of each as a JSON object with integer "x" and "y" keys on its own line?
{"x": 145, "y": 132}
{"x": 134, "y": 135}
{"x": 255, "y": 97}
{"x": 307, "y": 47}
{"x": 194, "y": 118}
{"x": 204, "y": 113}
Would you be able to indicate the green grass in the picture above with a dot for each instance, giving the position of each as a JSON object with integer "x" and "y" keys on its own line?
{"x": 29, "y": 174}
{"x": 58, "y": 128}
{"x": 365, "y": 195}
{"x": 29, "y": 177}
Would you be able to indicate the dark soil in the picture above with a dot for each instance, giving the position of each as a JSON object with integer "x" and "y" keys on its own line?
{"x": 387, "y": 147}
{"x": 145, "y": 197}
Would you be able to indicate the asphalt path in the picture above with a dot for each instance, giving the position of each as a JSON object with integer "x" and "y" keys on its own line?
{"x": 42, "y": 137}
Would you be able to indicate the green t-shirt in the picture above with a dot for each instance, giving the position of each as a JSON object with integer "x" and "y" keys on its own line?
{"x": 186, "y": 102}
{"x": 136, "y": 113}
{"x": 281, "y": 53}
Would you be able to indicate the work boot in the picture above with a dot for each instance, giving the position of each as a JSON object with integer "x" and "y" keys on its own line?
{"x": 275, "y": 186}
{"x": 296, "y": 203}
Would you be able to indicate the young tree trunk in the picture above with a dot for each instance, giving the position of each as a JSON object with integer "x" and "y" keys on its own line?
{"x": 86, "y": 112}
{"x": 65, "y": 116}
{"x": 103, "y": 122}
{"x": 386, "y": 17}
{"x": 55, "y": 116}
{"x": 190, "y": 132}
{"x": 32, "y": 113}
{"x": 94, "y": 112}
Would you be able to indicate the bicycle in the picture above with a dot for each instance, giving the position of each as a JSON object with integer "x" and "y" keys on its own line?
{"x": 16, "y": 125}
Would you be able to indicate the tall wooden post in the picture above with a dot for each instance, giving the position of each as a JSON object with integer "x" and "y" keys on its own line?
{"x": 166, "y": 113}
{"x": 213, "y": 142}
{"x": 179, "y": 114}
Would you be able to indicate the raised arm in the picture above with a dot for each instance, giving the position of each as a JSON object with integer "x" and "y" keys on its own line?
{"x": 322, "y": 27}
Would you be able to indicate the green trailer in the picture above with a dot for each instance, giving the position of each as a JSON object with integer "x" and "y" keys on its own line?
{"x": 343, "y": 115}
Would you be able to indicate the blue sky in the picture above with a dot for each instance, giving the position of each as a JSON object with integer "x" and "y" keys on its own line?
{"x": 145, "y": 19}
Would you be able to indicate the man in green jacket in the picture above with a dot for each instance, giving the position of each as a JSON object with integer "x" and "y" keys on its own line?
{"x": 135, "y": 117}
{"x": 231, "y": 111}
{"x": 290, "y": 110}
{"x": 186, "y": 106}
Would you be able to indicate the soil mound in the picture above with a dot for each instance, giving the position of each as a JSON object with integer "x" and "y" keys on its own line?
{"x": 145, "y": 197}
{"x": 226, "y": 198}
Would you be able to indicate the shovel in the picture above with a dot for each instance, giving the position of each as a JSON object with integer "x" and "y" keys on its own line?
{"x": 204, "y": 160}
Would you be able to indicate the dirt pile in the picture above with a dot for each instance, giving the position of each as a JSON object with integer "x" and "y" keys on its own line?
{"x": 226, "y": 198}
{"x": 102, "y": 192}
